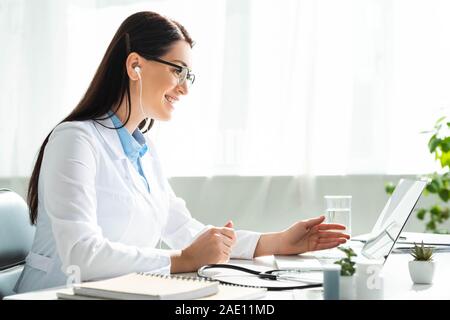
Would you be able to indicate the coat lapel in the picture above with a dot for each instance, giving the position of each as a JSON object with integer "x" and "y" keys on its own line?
{"x": 110, "y": 138}
{"x": 112, "y": 141}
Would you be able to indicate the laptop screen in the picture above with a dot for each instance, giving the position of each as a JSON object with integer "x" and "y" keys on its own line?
{"x": 393, "y": 218}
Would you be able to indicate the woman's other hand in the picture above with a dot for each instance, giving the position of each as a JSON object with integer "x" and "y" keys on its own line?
{"x": 302, "y": 236}
{"x": 212, "y": 246}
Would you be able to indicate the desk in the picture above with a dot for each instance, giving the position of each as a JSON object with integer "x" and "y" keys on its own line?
{"x": 397, "y": 283}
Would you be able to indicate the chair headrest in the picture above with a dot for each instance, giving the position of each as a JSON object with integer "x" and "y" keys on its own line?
{"x": 16, "y": 231}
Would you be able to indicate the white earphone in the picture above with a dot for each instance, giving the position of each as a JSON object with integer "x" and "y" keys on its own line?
{"x": 138, "y": 71}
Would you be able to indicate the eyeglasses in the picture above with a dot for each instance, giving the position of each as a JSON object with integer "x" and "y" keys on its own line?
{"x": 184, "y": 73}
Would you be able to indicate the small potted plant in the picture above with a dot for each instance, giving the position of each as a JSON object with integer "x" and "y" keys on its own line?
{"x": 421, "y": 269}
{"x": 347, "y": 279}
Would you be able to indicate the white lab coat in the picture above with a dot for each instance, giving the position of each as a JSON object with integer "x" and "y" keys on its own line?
{"x": 96, "y": 218}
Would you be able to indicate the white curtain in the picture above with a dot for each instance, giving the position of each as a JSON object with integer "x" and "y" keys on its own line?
{"x": 288, "y": 87}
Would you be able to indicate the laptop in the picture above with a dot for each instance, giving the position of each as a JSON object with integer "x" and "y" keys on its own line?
{"x": 377, "y": 244}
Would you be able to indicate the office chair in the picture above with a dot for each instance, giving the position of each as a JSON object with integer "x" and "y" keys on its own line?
{"x": 16, "y": 238}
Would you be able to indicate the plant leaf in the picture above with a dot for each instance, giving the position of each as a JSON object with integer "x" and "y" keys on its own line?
{"x": 445, "y": 144}
{"x": 421, "y": 214}
{"x": 389, "y": 187}
{"x": 431, "y": 226}
{"x": 433, "y": 186}
{"x": 445, "y": 159}
{"x": 433, "y": 143}
{"x": 438, "y": 122}
{"x": 444, "y": 194}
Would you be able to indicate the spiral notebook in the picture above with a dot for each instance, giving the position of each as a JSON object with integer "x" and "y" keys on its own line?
{"x": 145, "y": 286}
{"x": 138, "y": 286}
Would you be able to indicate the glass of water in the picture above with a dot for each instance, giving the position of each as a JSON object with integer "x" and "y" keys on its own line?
{"x": 339, "y": 210}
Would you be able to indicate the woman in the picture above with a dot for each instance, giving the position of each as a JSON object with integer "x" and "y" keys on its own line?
{"x": 97, "y": 194}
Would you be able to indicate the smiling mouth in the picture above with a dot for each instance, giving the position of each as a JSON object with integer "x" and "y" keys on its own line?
{"x": 170, "y": 99}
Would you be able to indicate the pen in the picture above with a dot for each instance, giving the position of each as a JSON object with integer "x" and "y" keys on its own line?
{"x": 303, "y": 269}
{"x": 293, "y": 278}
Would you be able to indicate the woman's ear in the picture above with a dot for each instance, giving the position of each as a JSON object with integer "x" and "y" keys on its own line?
{"x": 133, "y": 61}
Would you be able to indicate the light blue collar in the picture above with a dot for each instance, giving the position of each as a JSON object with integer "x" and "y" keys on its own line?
{"x": 134, "y": 145}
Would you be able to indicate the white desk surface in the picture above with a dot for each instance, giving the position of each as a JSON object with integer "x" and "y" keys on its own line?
{"x": 397, "y": 282}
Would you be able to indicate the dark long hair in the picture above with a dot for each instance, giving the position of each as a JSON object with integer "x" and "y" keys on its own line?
{"x": 146, "y": 33}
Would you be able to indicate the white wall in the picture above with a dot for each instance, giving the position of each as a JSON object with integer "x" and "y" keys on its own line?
{"x": 272, "y": 203}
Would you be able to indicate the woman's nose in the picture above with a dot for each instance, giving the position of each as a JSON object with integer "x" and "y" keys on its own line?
{"x": 183, "y": 88}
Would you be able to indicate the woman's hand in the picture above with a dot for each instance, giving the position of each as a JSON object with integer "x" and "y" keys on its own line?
{"x": 311, "y": 235}
{"x": 302, "y": 236}
{"x": 212, "y": 246}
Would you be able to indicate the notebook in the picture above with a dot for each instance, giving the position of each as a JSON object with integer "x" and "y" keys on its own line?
{"x": 225, "y": 292}
{"x": 147, "y": 286}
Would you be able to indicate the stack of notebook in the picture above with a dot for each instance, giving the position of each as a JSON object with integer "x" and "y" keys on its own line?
{"x": 144, "y": 286}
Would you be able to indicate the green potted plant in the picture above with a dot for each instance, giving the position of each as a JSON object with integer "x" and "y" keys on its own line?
{"x": 439, "y": 182}
{"x": 347, "y": 279}
{"x": 421, "y": 269}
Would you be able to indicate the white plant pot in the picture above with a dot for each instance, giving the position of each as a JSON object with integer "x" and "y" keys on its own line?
{"x": 347, "y": 287}
{"x": 421, "y": 272}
